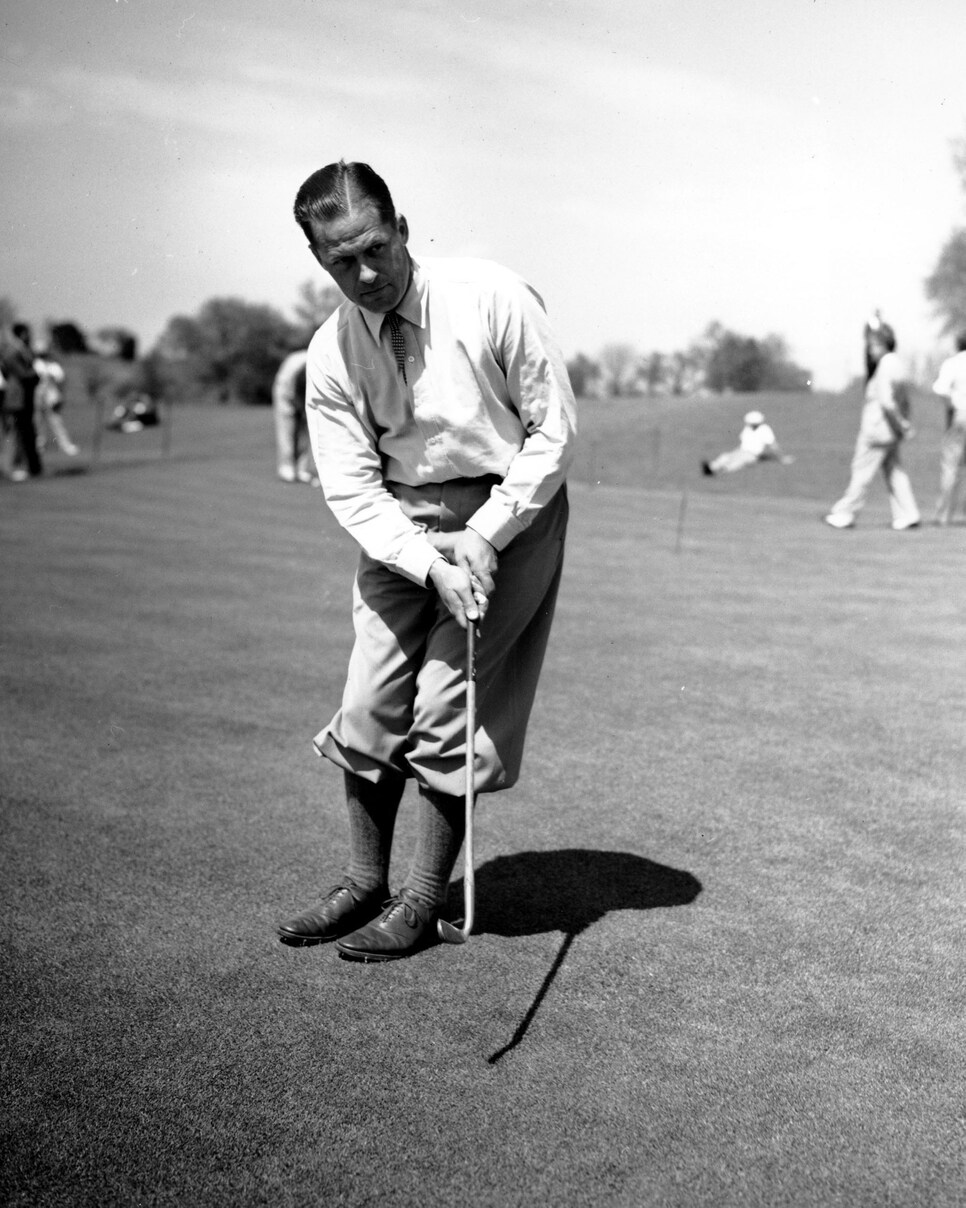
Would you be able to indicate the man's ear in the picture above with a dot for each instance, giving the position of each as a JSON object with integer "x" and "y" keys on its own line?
{"x": 402, "y": 226}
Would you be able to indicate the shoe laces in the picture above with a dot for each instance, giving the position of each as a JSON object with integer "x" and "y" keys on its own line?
{"x": 346, "y": 886}
{"x": 406, "y": 903}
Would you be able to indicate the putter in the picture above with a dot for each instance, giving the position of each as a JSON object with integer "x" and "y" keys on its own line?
{"x": 449, "y": 933}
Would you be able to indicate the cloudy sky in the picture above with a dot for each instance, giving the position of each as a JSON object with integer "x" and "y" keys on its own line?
{"x": 650, "y": 165}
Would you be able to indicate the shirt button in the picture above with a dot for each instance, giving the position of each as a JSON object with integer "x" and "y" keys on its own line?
{"x": 410, "y": 359}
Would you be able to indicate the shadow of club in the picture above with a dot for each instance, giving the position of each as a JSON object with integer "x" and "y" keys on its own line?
{"x": 530, "y": 893}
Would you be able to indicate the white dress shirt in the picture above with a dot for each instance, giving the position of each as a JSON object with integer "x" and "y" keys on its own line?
{"x": 486, "y": 392}
{"x": 951, "y": 382}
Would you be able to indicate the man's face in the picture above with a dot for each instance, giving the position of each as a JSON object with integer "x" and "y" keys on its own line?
{"x": 365, "y": 256}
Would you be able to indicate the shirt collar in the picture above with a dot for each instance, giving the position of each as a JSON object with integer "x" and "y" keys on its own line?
{"x": 412, "y": 307}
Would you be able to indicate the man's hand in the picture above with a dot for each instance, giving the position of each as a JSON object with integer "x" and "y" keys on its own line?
{"x": 476, "y": 560}
{"x": 477, "y": 557}
{"x": 459, "y": 591}
{"x": 443, "y": 543}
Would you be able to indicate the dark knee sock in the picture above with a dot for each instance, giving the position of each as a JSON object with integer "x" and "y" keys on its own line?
{"x": 372, "y": 819}
{"x": 441, "y": 821}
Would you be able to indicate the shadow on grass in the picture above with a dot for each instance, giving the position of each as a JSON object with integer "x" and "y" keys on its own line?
{"x": 536, "y": 891}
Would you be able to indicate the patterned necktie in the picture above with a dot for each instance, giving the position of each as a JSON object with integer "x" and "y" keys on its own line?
{"x": 398, "y": 342}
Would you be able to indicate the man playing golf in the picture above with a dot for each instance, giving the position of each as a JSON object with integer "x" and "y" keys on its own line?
{"x": 442, "y": 423}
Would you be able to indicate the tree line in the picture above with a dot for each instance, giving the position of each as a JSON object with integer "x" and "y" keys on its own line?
{"x": 230, "y": 350}
{"x": 718, "y": 361}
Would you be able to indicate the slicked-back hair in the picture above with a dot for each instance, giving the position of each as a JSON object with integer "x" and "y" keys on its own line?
{"x": 336, "y": 190}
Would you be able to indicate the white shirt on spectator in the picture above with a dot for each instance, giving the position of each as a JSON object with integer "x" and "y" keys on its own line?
{"x": 951, "y": 382}
{"x": 756, "y": 438}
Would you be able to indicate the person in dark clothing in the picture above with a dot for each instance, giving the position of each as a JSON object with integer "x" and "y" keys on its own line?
{"x": 17, "y": 364}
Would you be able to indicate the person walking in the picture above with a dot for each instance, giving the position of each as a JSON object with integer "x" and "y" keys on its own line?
{"x": 883, "y": 427}
{"x": 442, "y": 423}
{"x": 951, "y": 385}
{"x": 49, "y": 399}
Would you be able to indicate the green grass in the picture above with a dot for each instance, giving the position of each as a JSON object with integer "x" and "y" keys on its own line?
{"x": 719, "y": 952}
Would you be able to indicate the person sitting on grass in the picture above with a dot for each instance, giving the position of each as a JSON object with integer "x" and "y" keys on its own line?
{"x": 756, "y": 442}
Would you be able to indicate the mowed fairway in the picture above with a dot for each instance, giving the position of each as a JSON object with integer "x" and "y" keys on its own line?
{"x": 719, "y": 952}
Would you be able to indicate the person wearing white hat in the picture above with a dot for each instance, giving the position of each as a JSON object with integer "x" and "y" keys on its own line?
{"x": 756, "y": 442}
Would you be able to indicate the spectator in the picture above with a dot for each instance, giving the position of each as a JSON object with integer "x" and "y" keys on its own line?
{"x": 127, "y": 382}
{"x": 17, "y": 364}
{"x": 951, "y": 385}
{"x": 756, "y": 442}
{"x": 50, "y": 401}
{"x": 134, "y": 414}
{"x": 293, "y": 451}
{"x": 882, "y": 429}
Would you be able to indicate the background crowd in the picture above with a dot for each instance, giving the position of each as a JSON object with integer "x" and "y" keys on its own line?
{"x": 34, "y": 388}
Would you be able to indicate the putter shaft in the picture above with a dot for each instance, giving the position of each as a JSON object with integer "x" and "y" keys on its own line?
{"x": 447, "y": 931}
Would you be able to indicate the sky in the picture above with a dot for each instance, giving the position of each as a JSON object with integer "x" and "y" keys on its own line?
{"x": 779, "y": 166}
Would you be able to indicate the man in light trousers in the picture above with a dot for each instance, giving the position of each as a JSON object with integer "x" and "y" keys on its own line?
{"x": 442, "y": 422}
{"x": 882, "y": 429}
{"x": 951, "y": 385}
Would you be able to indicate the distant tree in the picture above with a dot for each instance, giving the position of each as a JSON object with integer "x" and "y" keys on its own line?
{"x": 945, "y": 287}
{"x": 780, "y": 371}
{"x": 313, "y": 306}
{"x": 747, "y": 365}
{"x": 230, "y": 350}
{"x": 736, "y": 364}
{"x": 116, "y": 342}
{"x": 686, "y": 373}
{"x": 946, "y": 284}
{"x": 619, "y": 365}
{"x": 584, "y": 374}
{"x": 67, "y": 338}
{"x": 654, "y": 372}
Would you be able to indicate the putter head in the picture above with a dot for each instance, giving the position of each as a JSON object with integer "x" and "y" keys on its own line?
{"x": 449, "y": 933}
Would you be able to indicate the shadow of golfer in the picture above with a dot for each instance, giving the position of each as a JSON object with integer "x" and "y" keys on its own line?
{"x": 570, "y": 890}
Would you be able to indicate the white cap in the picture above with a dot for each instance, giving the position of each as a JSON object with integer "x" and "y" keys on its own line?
{"x": 754, "y": 417}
